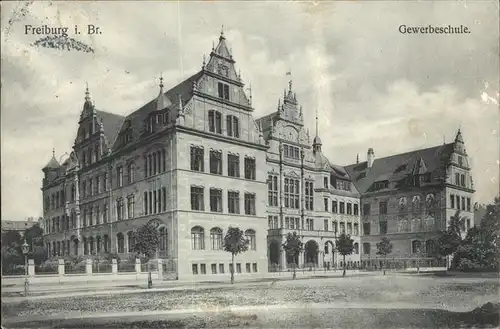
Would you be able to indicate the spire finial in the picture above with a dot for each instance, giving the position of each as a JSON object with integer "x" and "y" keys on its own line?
{"x": 290, "y": 85}
{"x": 203, "y": 66}
{"x": 317, "y": 122}
{"x": 53, "y": 152}
{"x": 222, "y": 32}
{"x": 213, "y": 45}
{"x": 357, "y": 158}
{"x": 250, "y": 89}
{"x": 87, "y": 93}
{"x": 161, "y": 81}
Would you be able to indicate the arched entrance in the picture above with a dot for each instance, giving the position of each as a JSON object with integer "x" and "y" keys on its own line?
{"x": 75, "y": 246}
{"x": 311, "y": 252}
{"x": 329, "y": 252}
{"x": 274, "y": 252}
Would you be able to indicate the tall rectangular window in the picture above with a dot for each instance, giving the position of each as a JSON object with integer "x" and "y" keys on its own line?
{"x": 105, "y": 181}
{"x": 383, "y": 207}
{"x": 463, "y": 203}
{"x": 272, "y": 190}
{"x": 119, "y": 176}
{"x": 233, "y": 165}
{"x": 119, "y": 209}
{"x": 325, "y": 224}
{"x": 249, "y": 168}
{"x": 335, "y": 206}
{"x": 292, "y": 193}
{"x": 233, "y": 202}
{"x": 366, "y": 209}
{"x": 457, "y": 179}
{"x": 349, "y": 208}
{"x": 356, "y": 209}
{"x": 232, "y": 126}
{"x": 215, "y": 122}
{"x": 309, "y": 196}
{"x": 366, "y": 228}
{"x": 197, "y": 159}
{"x": 468, "y": 204}
{"x": 215, "y": 200}
{"x": 325, "y": 182}
{"x": 325, "y": 202}
{"x": 216, "y": 162}
{"x": 130, "y": 173}
{"x": 342, "y": 207}
{"x": 130, "y": 206}
{"x": 249, "y": 204}
{"x": 383, "y": 227}
{"x": 223, "y": 90}
{"x": 310, "y": 224}
{"x": 462, "y": 180}
{"x": 197, "y": 197}
{"x": 452, "y": 201}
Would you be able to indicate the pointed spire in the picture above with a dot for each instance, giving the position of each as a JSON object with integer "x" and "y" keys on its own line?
{"x": 161, "y": 82}
{"x": 87, "y": 93}
{"x": 162, "y": 100}
{"x": 53, "y": 152}
{"x": 53, "y": 163}
{"x": 222, "y": 33}
{"x": 317, "y": 130}
{"x": 290, "y": 85}
{"x": 204, "y": 62}
{"x": 357, "y": 158}
{"x": 458, "y": 137}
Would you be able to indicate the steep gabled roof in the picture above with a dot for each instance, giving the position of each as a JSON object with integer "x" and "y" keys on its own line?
{"x": 397, "y": 167}
{"x": 184, "y": 90}
{"x": 53, "y": 164}
{"x": 111, "y": 124}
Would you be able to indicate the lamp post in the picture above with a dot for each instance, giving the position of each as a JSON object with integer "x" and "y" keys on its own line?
{"x": 25, "y": 250}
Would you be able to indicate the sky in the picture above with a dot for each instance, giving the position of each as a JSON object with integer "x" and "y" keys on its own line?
{"x": 372, "y": 86}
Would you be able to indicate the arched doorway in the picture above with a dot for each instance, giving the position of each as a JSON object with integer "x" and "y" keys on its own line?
{"x": 75, "y": 247}
{"x": 311, "y": 252}
{"x": 329, "y": 252}
{"x": 274, "y": 252}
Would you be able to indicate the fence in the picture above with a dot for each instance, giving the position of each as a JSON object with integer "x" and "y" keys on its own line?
{"x": 126, "y": 267}
{"x": 71, "y": 268}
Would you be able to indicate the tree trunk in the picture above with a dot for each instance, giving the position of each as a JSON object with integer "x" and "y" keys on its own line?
{"x": 294, "y": 271}
{"x": 385, "y": 263}
{"x": 232, "y": 269}
{"x": 343, "y": 274}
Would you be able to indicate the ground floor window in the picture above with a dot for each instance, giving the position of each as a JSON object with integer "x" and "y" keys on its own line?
{"x": 248, "y": 267}
{"x": 214, "y": 268}
{"x": 203, "y": 269}
{"x": 221, "y": 268}
{"x": 238, "y": 268}
{"x": 195, "y": 268}
{"x": 254, "y": 266}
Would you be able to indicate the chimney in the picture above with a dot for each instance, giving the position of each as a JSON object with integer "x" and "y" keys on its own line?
{"x": 370, "y": 157}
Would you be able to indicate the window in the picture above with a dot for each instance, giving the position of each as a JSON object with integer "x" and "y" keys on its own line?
{"x": 272, "y": 190}
{"x": 195, "y": 268}
{"x": 233, "y": 165}
{"x": 290, "y": 151}
{"x": 248, "y": 268}
{"x": 325, "y": 224}
{"x": 249, "y": 168}
{"x": 249, "y": 204}
{"x": 221, "y": 268}
{"x": 462, "y": 180}
{"x": 460, "y": 161}
{"x": 457, "y": 198}
{"x": 197, "y": 159}
{"x": 232, "y": 126}
{"x": 356, "y": 209}
{"x": 356, "y": 229}
{"x": 366, "y": 248}
{"x": 366, "y": 228}
{"x": 457, "y": 179}
{"x": 334, "y": 226}
{"x": 325, "y": 201}
{"x": 131, "y": 242}
{"x": 335, "y": 208}
{"x": 197, "y": 238}
{"x": 468, "y": 223}
{"x": 203, "y": 269}
{"x": 452, "y": 201}
{"x": 349, "y": 228}
{"x": 121, "y": 243}
{"x": 97, "y": 185}
{"x": 309, "y": 196}
{"x": 342, "y": 207}
{"x": 292, "y": 193}
{"x": 252, "y": 243}
{"x": 130, "y": 173}
{"x": 105, "y": 181}
{"x": 105, "y": 214}
{"x": 383, "y": 207}
{"x": 233, "y": 202}
{"x": 163, "y": 239}
{"x": 463, "y": 203}
{"x": 216, "y": 162}
{"x": 215, "y": 200}
{"x": 216, "y": 239}
{"x": 366, "y": 209}
{"x": 84, "y": 192}
{"x": 468, "y": 204}
{"x": 349, "y": 208}
{"x": 310, "y": 224}
{"x": 119, "y": 176}
{"x": 214, "y": 122}
{"x": 214, "y": 268}
{"x": 325, "y": 182}
{"x": 130, "y": 206}
{"x": 342, "y": 227}
{"x": 97, "y": 216}
{"x": 356, "y": 248}
{"x": 120, "y": 211}
{"x": 223, "y": 90}
{"x": 273, "y": 222}
{"x": 254, "y": 267}
{"x": 238, "y": 268}
{"x": 197, "y": 197}
{"x": 383, "y": 227}
{"x": 415, "y": 246}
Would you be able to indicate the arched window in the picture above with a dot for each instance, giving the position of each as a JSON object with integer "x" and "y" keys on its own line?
{"x": 130, "y": 172}
{"x": 121, "y": 243}
{"x": 197, "y": 238}
{"x": 96, "y": 153}
{"x": 356, "y": 248}
{"x": 366, "y": 248}
{"x": 58, "y": 248}
{"x": 429, "y": 247}
{"x": 216, "y": 238}
{"x": 163, "y": 238}
{"x": 131, "y": 241}
{"x": 415, "y": 246}
{"x": 252, "y": 245}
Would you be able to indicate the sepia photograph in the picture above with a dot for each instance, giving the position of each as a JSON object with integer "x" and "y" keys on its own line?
{"x": 250, "y": 164}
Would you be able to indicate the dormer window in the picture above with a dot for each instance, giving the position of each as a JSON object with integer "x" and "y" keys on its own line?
{"x": 223, "y": 90}
{"x": 381, "y": 185}
{"x": 460, "y": 161}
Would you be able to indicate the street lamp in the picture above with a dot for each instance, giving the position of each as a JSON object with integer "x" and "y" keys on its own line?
{"x": 25, "y": 250}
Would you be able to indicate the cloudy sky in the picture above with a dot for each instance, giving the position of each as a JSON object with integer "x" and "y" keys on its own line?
{"x": 372, "y": 86}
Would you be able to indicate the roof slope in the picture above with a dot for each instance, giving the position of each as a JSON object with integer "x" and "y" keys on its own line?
{"x": 111, "y": 124}
{"x": 397, "y": 167}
